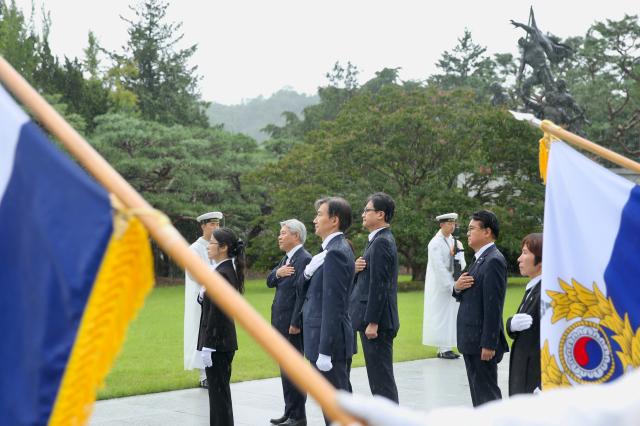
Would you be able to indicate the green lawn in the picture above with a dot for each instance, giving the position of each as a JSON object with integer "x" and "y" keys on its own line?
{"x": 151, "y": 359}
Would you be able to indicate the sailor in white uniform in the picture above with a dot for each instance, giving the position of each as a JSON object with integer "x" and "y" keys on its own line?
{"x": 440, "y": 308}
{"x": 192, "y": 310}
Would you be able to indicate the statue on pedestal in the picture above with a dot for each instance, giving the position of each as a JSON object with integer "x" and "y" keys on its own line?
{"x": 539, "y": 91}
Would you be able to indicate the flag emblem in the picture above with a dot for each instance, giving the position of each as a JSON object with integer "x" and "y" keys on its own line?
{"x": 585, "y": 353}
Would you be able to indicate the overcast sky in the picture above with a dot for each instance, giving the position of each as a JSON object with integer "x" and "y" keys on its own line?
{"x": 248, "y": 48}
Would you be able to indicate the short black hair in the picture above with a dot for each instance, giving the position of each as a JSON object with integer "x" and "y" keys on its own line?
{"x": 489, "y": 220}
{"x": 534, "y": 244}
{"x": 338, "y": 207}
{"x": 383, "y": 203}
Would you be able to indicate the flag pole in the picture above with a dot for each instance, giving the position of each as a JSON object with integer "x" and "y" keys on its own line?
{"x": 587, "y": 145}
{"x": 560, "y": 133}
{"x": 172, "y": 243}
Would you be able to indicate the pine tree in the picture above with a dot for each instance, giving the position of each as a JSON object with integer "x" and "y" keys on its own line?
{"x": 165, "y": 86}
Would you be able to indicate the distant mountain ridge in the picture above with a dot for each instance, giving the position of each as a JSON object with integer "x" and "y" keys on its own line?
{"x": 254, "y": 114}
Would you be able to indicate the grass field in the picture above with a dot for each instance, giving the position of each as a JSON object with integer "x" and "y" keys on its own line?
{"x": 151, "y": 359}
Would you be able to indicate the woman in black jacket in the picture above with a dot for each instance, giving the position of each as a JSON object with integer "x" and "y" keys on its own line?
{"x": 524, "y": 326}
{"x": 217, "y": 336}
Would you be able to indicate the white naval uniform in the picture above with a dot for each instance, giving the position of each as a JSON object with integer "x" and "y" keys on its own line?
{"x": 193, "y": 310}
{"x": 440, "y": 308}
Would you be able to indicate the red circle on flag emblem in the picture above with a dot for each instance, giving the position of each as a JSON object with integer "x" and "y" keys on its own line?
{"x": 585, "y": 353}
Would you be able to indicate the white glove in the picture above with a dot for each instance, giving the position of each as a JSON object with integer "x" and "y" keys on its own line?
{"x": 205, "y": 353}
{"x": 316, "y": 262}
{"x": 324, "y": 362}
{"x": 521, "y": 322}
{"x": 379, "y": 411}
{"x": 201, "y": 294}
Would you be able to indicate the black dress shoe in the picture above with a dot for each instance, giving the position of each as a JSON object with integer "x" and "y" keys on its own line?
{"x": 294, "y": 422}
{"x": 279, "y": 420}
{"x": 448, "y": 355}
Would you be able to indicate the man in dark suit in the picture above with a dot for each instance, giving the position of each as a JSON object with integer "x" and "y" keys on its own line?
{"x": 373, "y": 305}
{"x": 326, "y": 327}
{"x": 285, "y": 277}
{"x": 481, "y": 291}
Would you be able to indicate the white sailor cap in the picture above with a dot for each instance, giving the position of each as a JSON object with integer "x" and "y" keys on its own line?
{"x": 448, "y": 217}
{"x": 211, "y": 216}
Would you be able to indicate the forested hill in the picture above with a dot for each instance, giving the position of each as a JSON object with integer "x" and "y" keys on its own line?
{"x": 254, "y": 114}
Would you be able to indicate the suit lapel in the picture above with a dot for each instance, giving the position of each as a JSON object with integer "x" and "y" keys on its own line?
{"x": 529, "y": 297}
{"x": 479, "y": 261}
{"x": 525, "y": 299}
{"x": 366, "y": 249}
{"x": 295, "y": 255}
{"x": 374, "y": 238}
{"x": 334, "y": 241}
{"x": 471, "y": 265}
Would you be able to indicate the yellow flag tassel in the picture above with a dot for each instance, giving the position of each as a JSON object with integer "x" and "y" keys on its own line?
{"x": 124, "y": 279}
{"x": 543, "y": 152}
{"x": 543, "y": 156}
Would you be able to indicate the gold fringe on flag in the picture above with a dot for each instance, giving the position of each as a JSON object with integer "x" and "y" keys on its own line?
{"x": 124, "y": 280}
{"x": 543, "y": 157}
{"x": 543, "y": 152}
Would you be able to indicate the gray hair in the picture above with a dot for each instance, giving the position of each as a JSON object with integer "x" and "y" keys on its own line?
{"x": 296, "y": 227}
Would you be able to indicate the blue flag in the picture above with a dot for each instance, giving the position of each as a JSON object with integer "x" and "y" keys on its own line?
{"x": 60, "y": 328}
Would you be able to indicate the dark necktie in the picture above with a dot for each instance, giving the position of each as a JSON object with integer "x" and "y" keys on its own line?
{"x": 473, "y": 262}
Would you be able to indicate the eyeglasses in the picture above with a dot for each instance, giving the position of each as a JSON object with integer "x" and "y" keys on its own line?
{"x": 471, "y": 228}
{"x": 365, "y": 211}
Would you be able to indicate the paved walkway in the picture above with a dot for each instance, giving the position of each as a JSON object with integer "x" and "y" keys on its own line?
{"x": 423, "y": 384}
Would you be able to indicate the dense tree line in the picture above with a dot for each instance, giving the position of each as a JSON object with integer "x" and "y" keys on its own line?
{"x": 436, "y": 145}
{"x": 433, "y": 150}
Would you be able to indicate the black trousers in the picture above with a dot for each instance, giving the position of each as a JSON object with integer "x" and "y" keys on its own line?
{"x": 378, "y": 357}
{"x": 294, "y": 400}
{"x": 338, "y": 376}
{"x": 483, "y": 378}
{"x": 219, "y": 376}
{"x": 349, "y": 361}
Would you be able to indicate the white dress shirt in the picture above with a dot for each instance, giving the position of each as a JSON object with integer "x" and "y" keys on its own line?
{"x": 375, "y": 231}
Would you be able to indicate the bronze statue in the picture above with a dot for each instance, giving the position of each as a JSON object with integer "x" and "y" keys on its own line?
{"x": 534, "y": 55}
{"x": 540, "y": 93}
{"x": 553, "y": 49}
